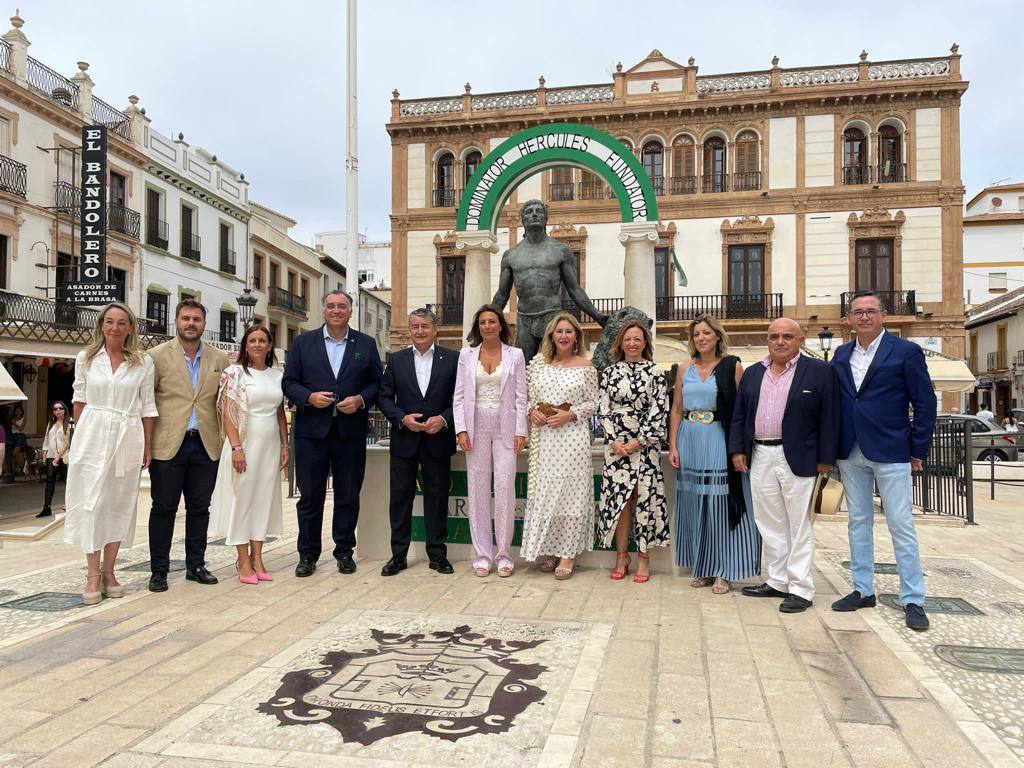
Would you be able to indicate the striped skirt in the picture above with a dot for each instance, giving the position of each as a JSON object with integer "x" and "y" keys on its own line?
{"x": 703, "y": 538}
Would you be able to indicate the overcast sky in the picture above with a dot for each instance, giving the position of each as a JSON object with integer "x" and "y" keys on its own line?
{"x": 262, "y": 84}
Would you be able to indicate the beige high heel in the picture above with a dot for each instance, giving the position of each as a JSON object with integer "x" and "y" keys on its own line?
{"x": 117, "y": 590}
{"x": 91, "y": 598}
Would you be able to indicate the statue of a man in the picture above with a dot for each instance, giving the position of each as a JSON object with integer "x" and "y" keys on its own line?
{"x": 539, "y": 266}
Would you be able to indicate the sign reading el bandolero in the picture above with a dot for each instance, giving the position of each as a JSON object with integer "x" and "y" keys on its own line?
{"x": 445, "y": 684}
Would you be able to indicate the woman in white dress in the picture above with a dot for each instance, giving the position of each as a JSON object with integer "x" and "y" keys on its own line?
{"x": 563, "y": 395}
{"x": 114, "y": 412}
{"x": 246, "y": 502}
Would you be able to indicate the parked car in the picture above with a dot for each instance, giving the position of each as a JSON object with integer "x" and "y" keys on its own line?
{"x": 988, "y": 440}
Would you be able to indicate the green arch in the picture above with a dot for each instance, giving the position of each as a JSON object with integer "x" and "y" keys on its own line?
{"x": 522, "y": 155}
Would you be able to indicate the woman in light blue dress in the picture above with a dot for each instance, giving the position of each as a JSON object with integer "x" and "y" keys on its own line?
{"x": 715, "y": 534}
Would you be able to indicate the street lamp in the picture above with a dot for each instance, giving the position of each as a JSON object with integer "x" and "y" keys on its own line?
{"x": 825, "y": 340}
{"x": 246, "y": 306}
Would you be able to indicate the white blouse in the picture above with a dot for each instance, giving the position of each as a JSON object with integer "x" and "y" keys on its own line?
{"x": 488, "y": 387}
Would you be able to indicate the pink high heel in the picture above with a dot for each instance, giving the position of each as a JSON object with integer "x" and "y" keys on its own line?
{"x": 254, "y": 579}
{"x": 263, "y": 576}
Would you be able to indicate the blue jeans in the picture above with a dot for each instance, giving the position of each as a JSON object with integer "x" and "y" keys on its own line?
{"x": 859, "y": 478}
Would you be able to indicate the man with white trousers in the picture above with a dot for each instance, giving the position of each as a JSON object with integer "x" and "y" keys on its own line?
{"x": 784, "y": 434}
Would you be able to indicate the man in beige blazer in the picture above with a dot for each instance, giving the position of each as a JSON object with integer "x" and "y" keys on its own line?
{"x": 186, "y": 443}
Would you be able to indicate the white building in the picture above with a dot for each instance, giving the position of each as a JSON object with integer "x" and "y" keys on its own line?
{"x": 372, "y": 267}
{"x": 995, "y": 349}
{"x": 375, "y": 318}
{"x": 994, "y": 243}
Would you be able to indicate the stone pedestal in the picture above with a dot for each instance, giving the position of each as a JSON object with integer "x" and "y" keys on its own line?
{"x": 479, "y": 247}
{"x": 639, "y": 239}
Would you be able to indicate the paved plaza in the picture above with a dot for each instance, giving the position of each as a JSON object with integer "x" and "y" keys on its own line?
{"x": 430, "y": 670}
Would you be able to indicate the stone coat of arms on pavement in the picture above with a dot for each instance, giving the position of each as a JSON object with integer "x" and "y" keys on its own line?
{"x": 445, "y": 684}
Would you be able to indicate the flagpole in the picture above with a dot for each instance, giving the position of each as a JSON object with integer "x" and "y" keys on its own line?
{"x": 352, "y": 170}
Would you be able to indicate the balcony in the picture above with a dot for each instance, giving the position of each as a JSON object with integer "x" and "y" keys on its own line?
{"x": 279, "y": 297}
{"x": 746, "y": 182}
{"x": 894, "y": 302}
{"x": 560, "y": 192}
{"x": 444, "y": 198}
{"x": 447, "y": 314}
{"x": 682, "y": 185}
{"x": 191, "y": 246}
{"x": 156, "y": 233}
{"x": 124, "y": 220}
{"x": 594, "y": 190}
{"x": 115, "y": 120}
{"x": 227, "y": 261}
{"x": 658, "y": 182}
{"x": 891, "y": 173}
{"x": 67, "y": 198}
{"x": 13, "y": 176}
{"x": 30, "y": 317}
{"x": 52, "y": 85}
{"x": 856, "y": 174}
{"x": 715, "y": 182}
{"x": 1018, "y": 360}
{"x": 996, "y": 361}
{"x": 760, "y": 306}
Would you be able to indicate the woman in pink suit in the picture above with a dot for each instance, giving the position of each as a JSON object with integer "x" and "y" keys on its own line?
{"x": 490, "y": 425}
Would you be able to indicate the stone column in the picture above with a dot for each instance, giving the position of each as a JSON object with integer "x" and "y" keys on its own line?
{"x": 18, "y": 64}
{"x": 85, "y": 85}
{"x": 638, "y": 238}
{"x": 478, "y": 246}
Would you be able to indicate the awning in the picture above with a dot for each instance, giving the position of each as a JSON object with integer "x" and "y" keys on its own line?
{"x": 39, "y": 348}
{"x": 9, "y": 391}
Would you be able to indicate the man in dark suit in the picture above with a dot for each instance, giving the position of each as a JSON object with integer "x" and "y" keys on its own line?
{"x": 416, "y": 396}
{"x": 332, "y": 375}
{"x": 784, "y": 432}
{"x": 881, "y": 377}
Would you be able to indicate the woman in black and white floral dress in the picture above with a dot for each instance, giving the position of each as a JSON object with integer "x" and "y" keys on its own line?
{"x": 633, "y": 414}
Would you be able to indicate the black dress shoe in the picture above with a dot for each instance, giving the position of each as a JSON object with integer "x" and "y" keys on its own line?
{"x": 794, "y": 604}
{"x": 393, "y": 566}
{"x": 346, "y": 564}
{"x": 45, "y": 513}
{"x": 441, "y": 565}
{"x": 158, "y": 581}
{"x": 306, "y": 567}
{"x": 763, "y": 590}
{"x": 916, "y": 617}
{"x": 853, "y": 601}
{"x": 200, "y": 574}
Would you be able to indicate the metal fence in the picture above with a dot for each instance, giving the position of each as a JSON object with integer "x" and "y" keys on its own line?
{"x": 945, "y": 485}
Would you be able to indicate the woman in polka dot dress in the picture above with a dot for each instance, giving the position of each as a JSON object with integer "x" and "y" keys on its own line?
{"x": 559, "y": 520}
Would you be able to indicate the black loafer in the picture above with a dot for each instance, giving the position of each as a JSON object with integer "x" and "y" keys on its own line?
{"x": 917, "y": 619}
{"x": 158, "y": 581}
{"x": 853, "y": 601}
{"x": 394, "y": 566}
{"x": 45, "y": 513}
{"x": 201, "y": 574}
{"x": 794, "y": 604}
{"x": 306, "y": 567}
{"x": 441, "y": 565}
{"x": 763, "y": 590}
{"x": 346, "y": 564}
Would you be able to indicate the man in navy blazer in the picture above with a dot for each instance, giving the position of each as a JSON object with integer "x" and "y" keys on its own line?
{"x": 416, "y": 396}
{"x": 784, "y": 433}
{"x": 881, "y": 377}
{"x": 332, "y": 376}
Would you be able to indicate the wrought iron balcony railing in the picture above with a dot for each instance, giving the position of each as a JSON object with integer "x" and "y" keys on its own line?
{"x": 560, "y": 192}
{"x": 747, "y": 181}
{"x": 658, "y": 182}
{"x": 605, "y": 306}
{"x": 156, "y": 232}
{"x": 191, "y": 246}
{"x": 227, "y": 261}
{"x": 279, "y": 297}
{"x": 715, "y": 182}
{"x": 1018, "y": 359}
{"x": 996, "y": 361}
{"x": 444, "y": 198}
{"x": 13, "y": 176}
{"x": 856, "y": 174}
{"x": 5, "y": 56}
{"x": 758, "y": 306}
{"x": 682, "y": 185}
{"x": 594, "y": 190}
{"x": 51, "y": 84}
{"x": 891, "y": 173}
{"x": 124, "y": 220}
{"x": 115, "y": 120}
{"x": 67, "y": 198}
{"x": 894, "y": 302}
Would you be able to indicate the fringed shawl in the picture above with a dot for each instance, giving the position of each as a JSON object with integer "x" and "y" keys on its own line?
{"x": 232, "y": 400}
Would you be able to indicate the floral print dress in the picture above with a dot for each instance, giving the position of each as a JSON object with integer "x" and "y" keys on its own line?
{"x": 634, "y": 405}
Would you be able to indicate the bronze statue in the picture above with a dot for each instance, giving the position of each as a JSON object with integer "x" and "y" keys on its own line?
{"x": 539, "y": 266}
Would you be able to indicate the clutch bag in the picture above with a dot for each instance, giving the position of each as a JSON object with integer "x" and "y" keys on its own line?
{"x": 550, "y": 410}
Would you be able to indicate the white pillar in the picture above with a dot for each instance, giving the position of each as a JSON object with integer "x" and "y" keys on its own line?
{"x": 639, "y": 238}
{"x": 479, "y": 246}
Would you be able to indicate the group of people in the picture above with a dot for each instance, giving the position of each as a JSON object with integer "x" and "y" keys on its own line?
{"x": 748, "y": 447}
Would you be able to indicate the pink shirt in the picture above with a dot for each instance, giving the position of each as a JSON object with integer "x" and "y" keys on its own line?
{"x": 772, "y": 404}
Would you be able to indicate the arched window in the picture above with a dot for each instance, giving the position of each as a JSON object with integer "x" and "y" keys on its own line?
{"x": 715, "y": 176}
{"x": 684, "y": 166}
{"x": 471, "y": 163}
{"x": 748, "y": 173}
{"x": 855, "y": 157}
{"x": 561, "y": 186}
{"x": 444, "y": 181}
{"x": 891, "y": 167}
{"x": 653, "y": 157}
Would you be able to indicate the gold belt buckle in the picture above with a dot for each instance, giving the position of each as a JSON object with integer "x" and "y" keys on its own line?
{"x": 702, "y": 417}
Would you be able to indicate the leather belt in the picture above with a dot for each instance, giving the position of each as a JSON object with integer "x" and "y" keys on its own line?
{"x": 771, "y": 441}
{"x": 700, "y": 417}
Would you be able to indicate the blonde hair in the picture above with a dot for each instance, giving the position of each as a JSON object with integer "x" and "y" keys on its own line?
{"x": 547, "y": 347}
{"x": 616, "y": 352}
{"x": 131, "y": 341}
{"x": 721, "y": 346}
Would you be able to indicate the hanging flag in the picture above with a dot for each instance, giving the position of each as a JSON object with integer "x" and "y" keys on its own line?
{"x": 678, "y": 267}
